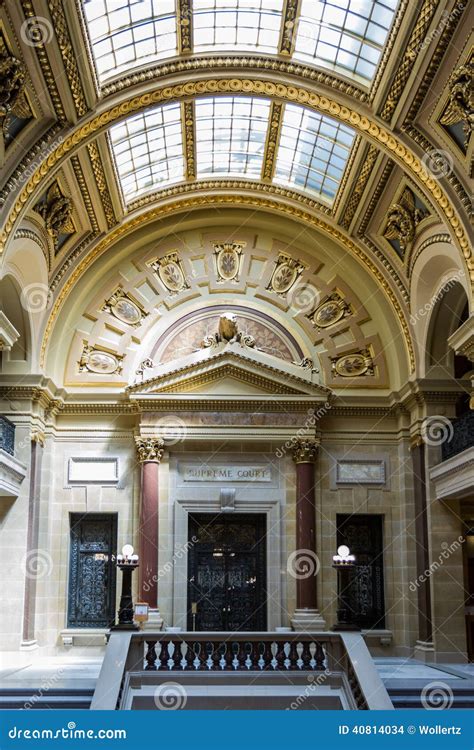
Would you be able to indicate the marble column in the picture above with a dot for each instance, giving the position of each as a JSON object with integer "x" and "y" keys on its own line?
{"x": 36, "y": 561}
{"x": 424, "y": 646}
{"x": 304, "y": 564}
{"x": 150, "y": 452}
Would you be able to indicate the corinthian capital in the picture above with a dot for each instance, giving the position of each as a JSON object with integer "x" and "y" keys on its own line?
{"x": 304, "y": 451}
{"x": 149, "y": 448}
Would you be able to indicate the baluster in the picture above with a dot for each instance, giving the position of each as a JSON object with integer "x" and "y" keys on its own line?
{"x": 305, "y": 656}
{"x": 208, "y": 651}
{"x": 274, "y": 650}
{"x": 312, "y": 652}
{"x": 319, "y": 657}
{"x": 260, "y": 652}
{"x": 235, "y": 651}
{"x": 164, "y": 655}
{"x": 215, "y": 656}
{"x": 293, "y": 655}
{"x": 184, "y": 655}
{"x": 248, "y": 648}
{"x": 281, "y": 656}
{"x": 150, "y": 656}
{"x": 196, "y": 650}
{"x": 223, "y": 660}
{"x": 171, "y": 652}
{"x": 268, "y": 655}
{"x": 286, "y": 655}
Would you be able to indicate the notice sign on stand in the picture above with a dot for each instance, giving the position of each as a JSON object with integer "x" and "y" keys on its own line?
{"x": 141, "y": 612}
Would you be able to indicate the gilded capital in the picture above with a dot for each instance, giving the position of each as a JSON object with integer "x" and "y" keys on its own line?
{"x": 304, "y": 451}
{"x": 149, "y": 448}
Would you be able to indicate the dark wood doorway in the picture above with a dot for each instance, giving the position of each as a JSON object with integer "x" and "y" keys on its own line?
{"x": 363, "y": 534}
{"x": 92, "y": 570}
{"x": 227, "y": 572}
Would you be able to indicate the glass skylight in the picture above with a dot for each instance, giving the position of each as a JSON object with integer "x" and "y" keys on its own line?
{"x": 237, "y": 24}
{"x": 128, "y": 33}
{"x": 230, "y": 135}
{"x": 148, "y": 150}
{"x": 348, "y": 35}
{"x": 313, "y": 152}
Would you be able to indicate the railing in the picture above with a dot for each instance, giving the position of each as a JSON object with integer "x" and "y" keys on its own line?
{"x": 7, "y": 435}
{"x": 463, "y": 436}
{"x": 344, "y": 655}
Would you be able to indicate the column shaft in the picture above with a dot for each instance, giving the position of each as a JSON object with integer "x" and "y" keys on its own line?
{"x": 148, "y": 537}
{"x": 306, "y": 595}
{"x": 425, "y": 625}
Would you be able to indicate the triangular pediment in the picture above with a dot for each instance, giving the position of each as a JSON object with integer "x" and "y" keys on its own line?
{"x": 233, "y": 370}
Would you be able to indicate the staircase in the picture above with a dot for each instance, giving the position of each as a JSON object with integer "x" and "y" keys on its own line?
{"x": 410, "y": 695}
{"x": 69, "y": 697}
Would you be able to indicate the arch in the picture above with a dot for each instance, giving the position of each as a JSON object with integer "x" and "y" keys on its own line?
{"x": 13, "y": 302}
{"x": 362, "y": 123}
{"x": 449, "y": 312}
{"x": 137, "y": 222}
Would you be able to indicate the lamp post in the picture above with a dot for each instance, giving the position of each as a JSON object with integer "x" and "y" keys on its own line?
{"x": 344, "y": 564}
{"x": 127, "y": 562}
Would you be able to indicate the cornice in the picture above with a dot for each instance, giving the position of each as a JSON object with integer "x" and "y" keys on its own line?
{"x": 49, "y": 77}
{"x": 435, "y": 61}
{"x": 81, "y": 181}
{"x": 68, "y": 55}
{"x": 235, "y": 61}
{"x": 221, "y": 200}
{"x": 405, "y": 65}
{"x": 451, "y": 177}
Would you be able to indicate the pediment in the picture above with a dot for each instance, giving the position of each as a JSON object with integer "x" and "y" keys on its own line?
{"x": 230, "y": 370}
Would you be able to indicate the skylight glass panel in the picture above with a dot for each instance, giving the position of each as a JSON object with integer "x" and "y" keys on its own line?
{"x": 237, "y": 25}
{"x": 148, "y": 150}
{"x": 126, "y": 34}
{"x": 230, "y": 135}
{"x": 345, "y": 35}
{"x": 313, "y": 152}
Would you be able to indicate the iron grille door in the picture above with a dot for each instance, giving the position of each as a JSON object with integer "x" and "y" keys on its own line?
{"x": 92, "y": 571}
{"x": 363, "y": 534}
{"x": 227, "y": 572}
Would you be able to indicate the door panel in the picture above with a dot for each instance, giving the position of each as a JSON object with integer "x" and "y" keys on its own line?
{"x": 226, "y": 572}
{"x": 92, "y": 570}
{"x": 363, "y": 534}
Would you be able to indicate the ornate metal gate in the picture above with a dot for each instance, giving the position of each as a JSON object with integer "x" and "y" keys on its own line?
{"x": 91, "y": 598}
{"x": 227, "y": 572}
{"x": 363, "y": 534}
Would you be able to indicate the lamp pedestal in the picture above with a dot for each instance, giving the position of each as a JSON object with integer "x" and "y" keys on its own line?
{"x": 125, "y": 612}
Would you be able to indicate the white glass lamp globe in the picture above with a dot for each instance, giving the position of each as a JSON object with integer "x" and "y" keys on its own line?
{"x": 127, "y": 550}
{"x": 343, "y": 551}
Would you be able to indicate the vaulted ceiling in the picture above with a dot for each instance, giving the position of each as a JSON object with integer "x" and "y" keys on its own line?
{"x": 349, "y": 119}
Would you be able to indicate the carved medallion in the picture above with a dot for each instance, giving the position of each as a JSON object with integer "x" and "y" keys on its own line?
{"x": 170, "y": 272}
{"x": 330, "y": 312}
{"x": 353, "y": 365}
{"x": 100, "y": 362}
{"x": 228, "y": 256}
{"x": 124, "y": 308}
{"x": 285, "y": 274}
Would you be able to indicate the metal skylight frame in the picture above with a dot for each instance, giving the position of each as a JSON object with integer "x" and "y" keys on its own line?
{"x": 230, "y": 135}
{"x": 148, "y": 151}
{"x": 344, "y": 35}
{"x": 247, "y": 25}
{"x": 313, "y": 152}
{"x": 229, "y": 140}
{"x": 126, "y": 34}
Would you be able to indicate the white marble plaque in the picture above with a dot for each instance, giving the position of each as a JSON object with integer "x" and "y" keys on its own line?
{"x": 226, "y": 473}
{"x": 93, "y": 470}
{"x": 360, "y": 472}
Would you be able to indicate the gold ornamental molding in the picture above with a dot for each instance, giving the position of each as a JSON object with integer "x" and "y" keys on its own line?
{"x": 360, "y": 122}
{"x": 205, "y": 201}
